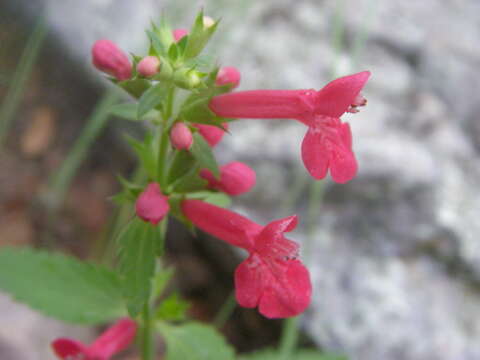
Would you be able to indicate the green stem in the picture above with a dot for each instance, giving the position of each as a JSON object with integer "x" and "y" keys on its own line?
{"x": 225, "y": 311}
{"x": 289, "y": 339}
{"x": 20, "y": 78}
{"x": 163, "y": 143}
{"x": 147, "y": 338}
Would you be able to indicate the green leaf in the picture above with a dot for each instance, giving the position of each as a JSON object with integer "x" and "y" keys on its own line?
{"x": 189, "y": 182}
{"x": 161, "y": 280}
{"x": 212, "y": 197}
{"x": 61, "y": 286}
{"x": 302, "y": 354}
{"x": 182, "y": 163}
{"x": 157, "y": 48}
{"x": 137, "y": 250}
{"x": 129, "y": 192}
{"x": 195, "y": 341}
{"x": 175, "y": 202}
{"x": 202, "y": 151}
{"x": 135, "y": 87}
{"x": 151, "y": 99}
{"x": 219, "y": 199}
{"x": 129, "y": 111}
{"x": 145, "y": 153}
{"x": 172, "y": 309}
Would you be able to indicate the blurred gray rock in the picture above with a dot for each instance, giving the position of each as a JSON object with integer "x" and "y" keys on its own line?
{"x": 395, "y": 257}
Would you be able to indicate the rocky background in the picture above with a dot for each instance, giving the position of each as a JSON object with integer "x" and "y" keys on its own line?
{"x": 394, "y": 253}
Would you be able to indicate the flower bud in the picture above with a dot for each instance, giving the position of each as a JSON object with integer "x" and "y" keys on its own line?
{"x": 186, "y": 78}
{"x": 235, "y": 178}
{"x": 152, "y": 205}
{"x": 212, "y": 134}
{"x": 107, "y": 57}
{"x": 178, "y": 34}
{"x": 148, "y": 66}
{"x": 181, "y": 136}
{"x": 228, "y": 75}
{"x": 208, "y": 22}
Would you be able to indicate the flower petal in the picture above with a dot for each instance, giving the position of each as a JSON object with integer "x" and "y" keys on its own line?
{"x": 315, "y": 153}
{"x": 271, "y": 242}
{"x": 343, "y": 165}
{"x": 336, "y": 97}
{"x": 289, "y": 294}
{"x": 265, "y": 104}
{"x": 212, "y": 134}
{"x": 249, "y": 281}
{"x": 221, "y": 223}
{"x": 236, "y": 178}
{"x": 116, "y": 339}
{"x": 66, "y": 348}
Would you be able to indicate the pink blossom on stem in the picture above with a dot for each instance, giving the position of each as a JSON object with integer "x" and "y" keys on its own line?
{"x": 148, "y": 66}
{"x": 181, "y": 136}
{"x": 328, "y": 143}
{"x": 228, "y": 75}
{"x": 107, "y": 57}
{"x": 151, "y": 204}
{"x": 272, "y": 277}
{"x": 178, "y": 34}
{"x": 114, "y": 340}
{"x": 236, "y": 178}
{"x": 212, "y": 134}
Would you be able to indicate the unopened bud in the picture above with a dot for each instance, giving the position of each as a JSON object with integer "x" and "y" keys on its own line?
{"x": 181, "y": 136}
{"x": 187, "y": 78}
{"x": 107, "y": 57}
{"x": 178, "y": 34}
{"x": 228, "y": 75}
{"x": 235, "y": 178}
{"x": 208, "y": 21}
{"x": 148, "y": 66}
{"x": 152, "y": 205}
{"x": 212, "y": 134}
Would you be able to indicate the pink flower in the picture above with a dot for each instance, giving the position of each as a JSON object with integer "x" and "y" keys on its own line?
{"x": 228, "y": 75}
{"x": 235, "y": 178}
{"x": 148, "y": 66}
{"x": 272, "y": 277}
{"x": 212, "y": 134}
{"x": 181, "y": 136}
{"x": 178, "y": 34}
{"x": 107, "y": 57}
{"x": 328, "y": 143}
{"x": 151, "y": 204}
{"x": 116, "y": 339}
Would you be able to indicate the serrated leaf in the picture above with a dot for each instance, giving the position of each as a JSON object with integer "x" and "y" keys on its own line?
{"x": 202, "y": 151}
{"x": 151, "y": 99}
{"x": 173, "y": 308}
{"x": 195, "y": 341}
{"x": 129, "y": 111}
{"x": 137, "y": 251}
{"x": 302, "y": 354}
{"x": 189, "y": 182}
{"x": 61, "y": 286}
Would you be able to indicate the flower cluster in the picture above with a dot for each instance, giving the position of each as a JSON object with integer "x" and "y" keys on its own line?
{"x": 185, "y": 181}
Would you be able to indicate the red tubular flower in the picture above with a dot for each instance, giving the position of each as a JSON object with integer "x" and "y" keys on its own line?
{"x": 116, "y": 339}
{"x": 107, "y": 57}
{"x": 181, "y": 136}
{"x": 235, "y": 178}
{"x": 148, "y": 66}
{"x": 178, "y": 34}
{"x": 328, "y": 143}
{"x": 228, "y": 75}
{"x": 152, "y": 205}
{"x": 212, "y": 134}
{"x": 272, "y": 277}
